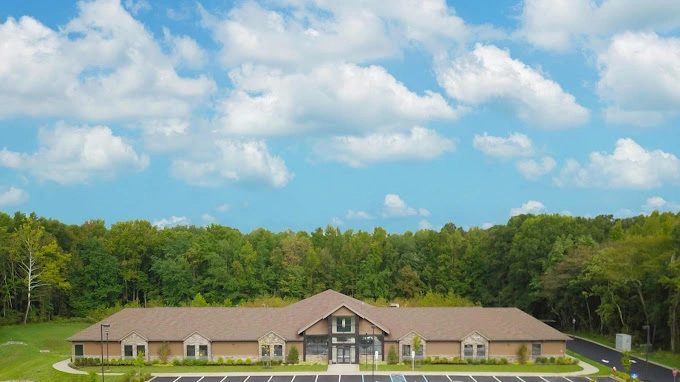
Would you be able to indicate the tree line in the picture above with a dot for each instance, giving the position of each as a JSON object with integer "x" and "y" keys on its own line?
{"x": 602, "y": 275}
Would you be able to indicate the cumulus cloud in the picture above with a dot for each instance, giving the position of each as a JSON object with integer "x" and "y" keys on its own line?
{"x": 171, "y": 222}
{"x": 487, "y": 225}
{"x": 488, "y": 75}
{"x": 515, "y": 145}
{"x": 657, "y": 203}
{"x": 420, "y": 144}
{"x": 312, "y": 31}
{"x": 207, "y": 218}
{"x": 394, "y": 206}
{"x": 532, "y": 169}
{"x": 70, "y": 155}
{"x": 424, "y": 225}
{"x": 336, "y": 221}
{"x": 530, "y": 207}
{"x": 185, "y": 50}
{"x": 331, "y": 97}
{"x": 638, "y": 77}
{"x": 234, "y": 162}
{"x": 556, "y": 25}
{"x": 353, "y": 215}
{"x": 102, "y": 65}
{"x": 12, "y": 196}
{"x": 629, "y": 166}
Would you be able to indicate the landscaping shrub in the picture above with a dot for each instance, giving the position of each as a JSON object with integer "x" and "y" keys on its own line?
{"x": 293, "y": 355}
{"x": 392, "y": 357}
{"x": 522, "y": 354}
{"x": 503, "y": 361}
{"x": 164, "y": 352}
{"x": 230, "y": 362}
{"x": 239, "y": 361}
{"x": 427, "y": 360}
{"x": 248, "y": 361}
{"x": 552, "y": 360}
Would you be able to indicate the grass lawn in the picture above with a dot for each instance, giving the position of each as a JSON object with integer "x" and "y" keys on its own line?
{"x": 26, "y": 362}
{"x": 663, "y": 357}
{"x": 602, "y": 369}
{"x": 211, "y": 369}
{"x": 482, "y": 368}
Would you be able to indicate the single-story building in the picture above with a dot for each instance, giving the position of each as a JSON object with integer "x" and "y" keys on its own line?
{"x": 327, "y": 327}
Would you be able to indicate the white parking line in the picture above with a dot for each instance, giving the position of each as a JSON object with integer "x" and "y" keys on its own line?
{"x": 568, "y": 379}
{"x": 449, "y": 378}
{"x": 494, "y": 377}
{"x": 246, "y": 380}
{"x": 472, "y": 378}
{"x": 520, "y": 379}
{"x": 315, "y": 378}
{"x": 544, "y": 379}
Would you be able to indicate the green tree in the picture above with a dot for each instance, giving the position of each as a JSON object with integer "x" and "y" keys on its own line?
{"x": 293, "y": 356}
{"x": 392, "y": 357}
{"x": 625, "y": 361}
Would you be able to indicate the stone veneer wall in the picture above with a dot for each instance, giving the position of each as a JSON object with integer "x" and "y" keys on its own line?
{"x": 272, "y": 339}
{"x": 134, "y": 339}
{"x": 196, "y": 340}
{"x": 320, "y": 358}
{"x": 408, "y": 340}
{"x": 474, "y": 339}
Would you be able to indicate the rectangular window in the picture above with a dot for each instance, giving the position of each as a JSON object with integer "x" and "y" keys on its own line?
{"x": 202, "y": 350}
{"x": 535, "y": 350}
{"x": 79, "y": 350}
{"x": 191, "y": 351}
{"x": 141, "y": 349}
{"x": 128, "y": 351}
{"x": 406, "y": 350}
{"x": 370, "y": 344}
{"x": 343, "y": 324}
{"x": 265, "y": 351}
{"x": 278, "y": 350}
{"x": 468, "y": 351}
{"x": 316, "y": 345}
{"x": 481, "y": 351}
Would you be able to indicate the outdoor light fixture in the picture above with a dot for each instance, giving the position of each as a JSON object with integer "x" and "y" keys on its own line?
{"x": 101, "y": 341}
{"x": 646, "y": 327}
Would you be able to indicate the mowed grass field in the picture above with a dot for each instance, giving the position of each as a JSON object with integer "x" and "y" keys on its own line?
{"x": 26, "y": 362}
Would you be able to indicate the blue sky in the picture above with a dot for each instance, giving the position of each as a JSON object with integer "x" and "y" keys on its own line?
{"x": 303, "y": 113}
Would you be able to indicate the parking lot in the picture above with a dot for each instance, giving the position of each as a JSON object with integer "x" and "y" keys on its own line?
{"x": 378, "y": 378}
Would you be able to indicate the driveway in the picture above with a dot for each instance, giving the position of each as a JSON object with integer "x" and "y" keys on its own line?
{"x": 611, "y": 357}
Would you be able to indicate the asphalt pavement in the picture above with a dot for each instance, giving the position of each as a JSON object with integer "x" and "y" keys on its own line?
{"x": 611, "y": 357}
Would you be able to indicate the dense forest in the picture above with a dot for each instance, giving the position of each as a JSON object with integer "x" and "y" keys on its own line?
{"x": 602, "y": 274}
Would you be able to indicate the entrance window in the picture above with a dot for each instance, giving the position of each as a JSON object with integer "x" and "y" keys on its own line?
{"x": 316, "y": 345}
{"x": 369, "y": 344}
{"x": 343, "y": 324}
{"x": 79, "y": 350}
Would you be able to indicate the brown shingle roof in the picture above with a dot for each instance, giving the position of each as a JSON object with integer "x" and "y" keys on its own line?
{"x": 249, "y": 324}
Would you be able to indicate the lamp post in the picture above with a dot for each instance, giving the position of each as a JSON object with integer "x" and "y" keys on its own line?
{"x": 101, "y": 341}
{"x": 646, "y": 327}
{"x": 107, "y": 348}
{"x": 573, "y": 323}
{"x": 373, "y": 353}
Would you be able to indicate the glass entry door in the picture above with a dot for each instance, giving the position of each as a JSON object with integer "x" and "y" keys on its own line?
{"x": 344, "y": 354}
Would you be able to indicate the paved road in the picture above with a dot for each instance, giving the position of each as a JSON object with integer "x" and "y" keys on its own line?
{"x": 380, "y": 378}
{"x": 601, "y": 354}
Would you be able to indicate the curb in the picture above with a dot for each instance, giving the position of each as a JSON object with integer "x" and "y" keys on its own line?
{"x": 617, "y": 350}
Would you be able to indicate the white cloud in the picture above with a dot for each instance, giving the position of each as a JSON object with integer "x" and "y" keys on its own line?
{"x": 516, "y": 145}
{"x": 172, "y": 222}
{"x": 70, "y": 155}
{"x": 551, "y": 24}
{"x": 102, "y": 65}
{"x": 630, "y": 166}
{"x": 424, "y": 225}
{"x": 185, "y": 50}
{"x": 624, "y": 212}
{"x": 12, "y": 196}
{"x": 207, "y": 218}
{"x": 223, "y": 208}
{"x": 488, "y": 75}
{"x": 638, "y": 77}
{"x": 487, "y": 225}
{"x": 136, "y": 6}
{"x": 657, "y": 203}
{"x": 243, "y": 162}
{"x": 567, "y": 213}
{"x": 394, "y": 206}
{"x": 420, "y": 144}
{"x": 532, "y": 169}
{"x": 315, "y": 31}
{"x": 530, "y": 207}
{"x": 343, "y": 97}
{"x": 336, "y": 221}
{"x": 351, "y": 215}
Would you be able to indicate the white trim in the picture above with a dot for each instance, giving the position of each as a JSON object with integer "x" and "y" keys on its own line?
{"x": 416, "y": 333}
{"x": 335, "y": 310}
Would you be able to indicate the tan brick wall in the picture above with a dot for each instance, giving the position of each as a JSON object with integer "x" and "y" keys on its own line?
{"x": 176, "y": 350}
{"x": 509, "y": 349}
{"x": 94, "y": 350}
{"x": 343, "y": 312}
{"x": 365, "y": 327}
{"x": 235, "y": 350}
{"x": 448, "y": 349}
{"x": 298, "y": 345}
{"x": 554, "y": 348}
{"x": 320, "y": 328}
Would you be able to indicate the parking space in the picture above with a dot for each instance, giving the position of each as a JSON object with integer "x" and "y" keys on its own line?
{"x": 377, "y": 378}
